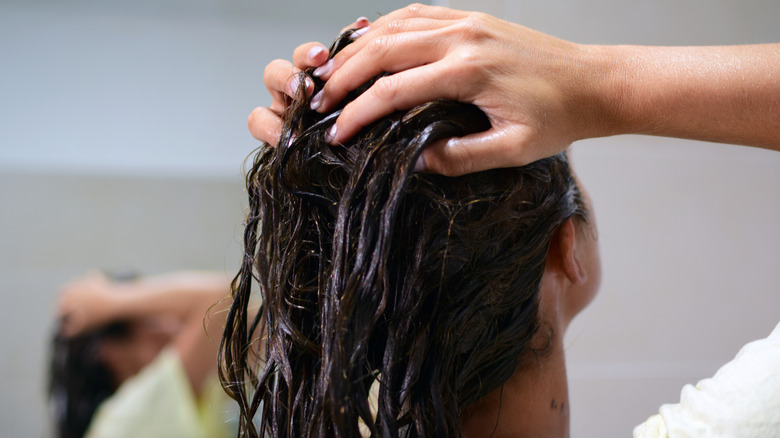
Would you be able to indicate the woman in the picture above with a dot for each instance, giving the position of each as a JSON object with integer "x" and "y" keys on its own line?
{"x": 131, "y": 358}
{"x": 540, "y": 94}
{"x": 402, "y": 304}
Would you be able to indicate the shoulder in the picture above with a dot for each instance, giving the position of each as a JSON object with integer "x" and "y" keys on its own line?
{"x": 741, "y": 399}
{"x": 157, "y": 402}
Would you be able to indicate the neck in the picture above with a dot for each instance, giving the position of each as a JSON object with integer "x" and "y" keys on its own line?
{"x": 534, "y": 402}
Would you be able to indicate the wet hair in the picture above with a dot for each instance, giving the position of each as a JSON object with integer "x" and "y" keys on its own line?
{"x": 423, "y": 285}
{"x": 79, "y": 380}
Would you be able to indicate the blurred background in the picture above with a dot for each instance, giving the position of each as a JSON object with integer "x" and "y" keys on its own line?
{"x": 123, "y": 135}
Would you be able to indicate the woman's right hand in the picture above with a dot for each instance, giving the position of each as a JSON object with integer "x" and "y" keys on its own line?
{"x": 532, "y": 86}
{"x": 537, "y": 91}
{"x": 280, "y": 78}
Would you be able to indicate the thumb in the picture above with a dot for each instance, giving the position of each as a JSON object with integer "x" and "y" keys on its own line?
{"x": 491, "y": 149}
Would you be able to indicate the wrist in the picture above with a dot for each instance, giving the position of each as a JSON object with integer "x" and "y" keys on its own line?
{"x": 602, "y": 92}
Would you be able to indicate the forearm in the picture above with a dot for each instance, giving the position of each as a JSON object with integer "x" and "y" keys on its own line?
{"x": 727, "y": 94}
{"x": 181, "y": 294}
{"x": 191, "y": 297}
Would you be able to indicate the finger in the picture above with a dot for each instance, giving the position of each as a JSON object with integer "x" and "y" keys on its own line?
{"x": 275, "y": 77}
{"x": 492, "y": 149}
{"x": 265, "y": 125}
{"x": 390, "y": 53}
{"x": 359, "y": 23}
{"x": 388, "y": 94}
{"x": 380, "y": 39}
{"x": 282, "y": 79}
{"x": 396, "y": 21}
{"x": 310, "y": 55}
{"x": 417, "y": 10}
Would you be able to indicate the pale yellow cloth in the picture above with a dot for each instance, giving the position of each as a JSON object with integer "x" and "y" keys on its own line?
{"x": 159, "y": 403}
{"x": 741, "y": 400}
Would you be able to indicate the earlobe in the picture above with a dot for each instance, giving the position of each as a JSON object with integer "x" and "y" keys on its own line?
{"x": 569, "y": 259}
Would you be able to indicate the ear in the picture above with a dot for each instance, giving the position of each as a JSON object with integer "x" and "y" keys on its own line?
{"x": 563, "y": 253}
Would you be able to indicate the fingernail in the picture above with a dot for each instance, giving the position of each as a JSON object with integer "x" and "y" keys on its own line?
{"x": 309, "y": 85}
{"x": 324, "y": 69}
{"x": 331, "y": 134}
{"x": 359, "y": 33}
{"x": 314, "y": 51}
{"x": 361, "y": 22}
{"x": 292, "y": 86}
{"x": 316, "y": 100}
{"x": 420, "y": 165}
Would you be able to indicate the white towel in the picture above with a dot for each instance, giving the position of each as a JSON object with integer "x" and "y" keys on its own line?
{"x": 741, "y": 400}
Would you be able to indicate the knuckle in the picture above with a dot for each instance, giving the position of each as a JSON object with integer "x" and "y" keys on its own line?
{"x": 395, "y": 26}
{"x": 447, "y": 169}
{"x": 439, "y": 161}
{"x": 460, "y": 161}
{"x": 457, "y": 168}
{"x": 386, "y": 87}
{"x": 467, "y": 57}
{"x": 415, "y": 9}
{"x": 466, "y": 67}
{"x": 379, "y": 47}
{"x": 479, "y": 16}
{"x": 472, "y": 27}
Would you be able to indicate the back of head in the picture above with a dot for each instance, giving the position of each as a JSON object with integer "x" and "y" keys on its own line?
{"x": 369, "y": 272}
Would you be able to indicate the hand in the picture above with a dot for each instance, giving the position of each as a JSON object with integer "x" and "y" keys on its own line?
{"x": 529, "y": 84}
{"x": 86, "y": 304}
{"x": 280, "y": 78}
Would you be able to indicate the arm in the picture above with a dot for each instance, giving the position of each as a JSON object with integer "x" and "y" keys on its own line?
{"x": 726, "y": 94}
{"x": 541, "y": 93}
{"x": 92, "y": 301}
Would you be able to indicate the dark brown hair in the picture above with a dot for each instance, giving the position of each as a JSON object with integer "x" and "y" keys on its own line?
{"x": 369, "y": 272}
{"x": 79, "y": 381}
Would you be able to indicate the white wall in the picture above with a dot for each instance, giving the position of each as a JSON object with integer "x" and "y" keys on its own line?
{"x": 102, "y": 87}
{"x": 688, "y": 230}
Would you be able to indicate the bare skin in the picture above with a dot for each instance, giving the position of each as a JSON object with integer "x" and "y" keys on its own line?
{"x": 534, "y": 402}
{"x": 165, "y": 310}
{"x": 540, "y": 93}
